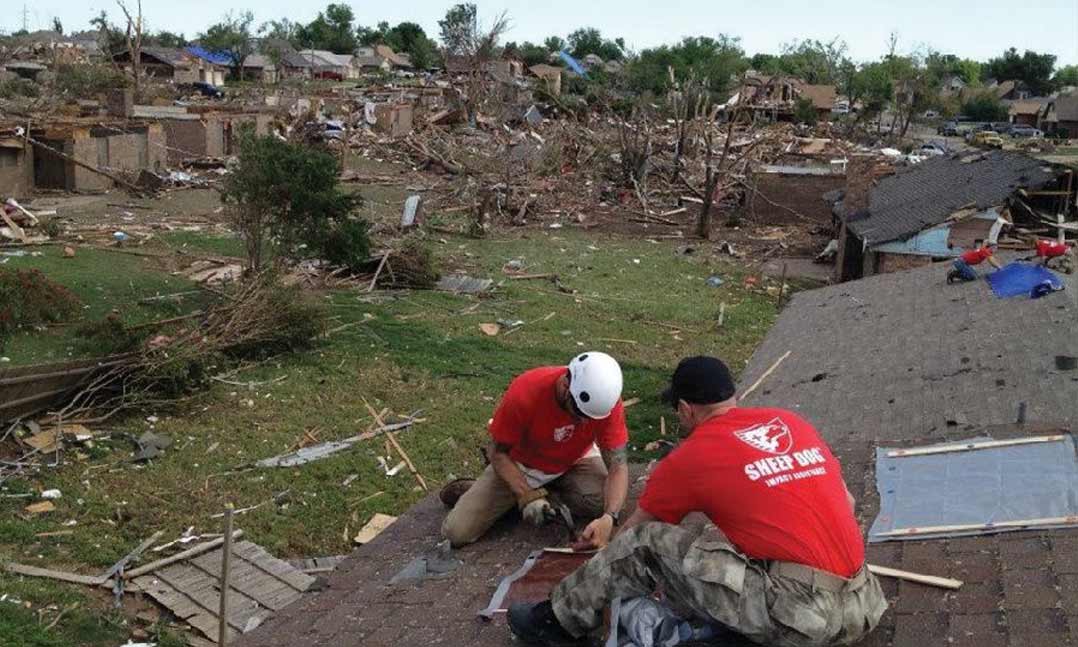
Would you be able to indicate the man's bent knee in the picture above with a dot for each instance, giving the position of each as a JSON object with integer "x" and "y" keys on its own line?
{"x": 460, "y": 530}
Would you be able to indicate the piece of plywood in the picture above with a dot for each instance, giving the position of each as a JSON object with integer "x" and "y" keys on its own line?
{"x": 374, "y": 527}
{"x": 963, "y": 447}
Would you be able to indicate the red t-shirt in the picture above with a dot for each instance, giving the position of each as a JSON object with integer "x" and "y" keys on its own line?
{"x": 976, "y": 256}
{"x": 1050, "y": 248}
{"x": 769, "y": 482}
{"x": 544, "y": 436}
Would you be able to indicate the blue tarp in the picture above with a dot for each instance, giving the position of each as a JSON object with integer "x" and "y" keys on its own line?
{"x": 217, "y": 58}
{"x": 1016, "y": 279}
{"x": 571, "y": 62}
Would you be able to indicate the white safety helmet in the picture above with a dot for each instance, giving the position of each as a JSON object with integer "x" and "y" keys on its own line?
{"x": 595, "y": 383}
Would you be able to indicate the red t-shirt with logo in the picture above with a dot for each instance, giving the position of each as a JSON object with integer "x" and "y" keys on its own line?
{"x": 1050, "y": 248}
{"x": 543, "y": 435}
{"x": 769, "y": 482}
{"x": 976, "y": 256}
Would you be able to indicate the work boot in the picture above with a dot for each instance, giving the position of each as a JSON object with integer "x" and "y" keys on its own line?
{"x": 535, "y": 622}
{"x": 453, "y": 490}
{"x": 951, "y": 276}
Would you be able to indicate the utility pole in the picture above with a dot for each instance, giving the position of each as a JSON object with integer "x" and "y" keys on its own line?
{"x": 25, "y": 18}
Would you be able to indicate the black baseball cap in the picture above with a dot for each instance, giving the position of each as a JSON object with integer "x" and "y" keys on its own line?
{"x": 700, "y": 380}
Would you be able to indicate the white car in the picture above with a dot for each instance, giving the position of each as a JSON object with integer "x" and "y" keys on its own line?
{"x": 841, "y": 107}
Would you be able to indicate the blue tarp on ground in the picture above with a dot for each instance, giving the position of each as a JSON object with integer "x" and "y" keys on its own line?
{"x": 1017, "y": 279}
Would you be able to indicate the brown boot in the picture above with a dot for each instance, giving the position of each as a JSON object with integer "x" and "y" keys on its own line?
{"x": 453, "y": 490}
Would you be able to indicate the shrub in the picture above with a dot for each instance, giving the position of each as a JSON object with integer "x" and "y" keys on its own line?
{"x": 347, "y": 244}
{"x": 28, "y": 298}
{"x": 413, "y": 266}
{"x": 108, "y": 336}
{"x": 14, "y": 88}
{"x": 85, "y": 81}
{"x": 290, "y": 194}
{"x": 985, "y": 107}
{"x": 804, "y": 111}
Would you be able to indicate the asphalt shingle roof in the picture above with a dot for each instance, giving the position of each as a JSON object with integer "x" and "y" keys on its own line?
{"x": 925, "y": 195}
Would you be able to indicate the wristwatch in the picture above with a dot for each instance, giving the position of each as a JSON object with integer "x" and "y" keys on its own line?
{"x": 615, "y": 516}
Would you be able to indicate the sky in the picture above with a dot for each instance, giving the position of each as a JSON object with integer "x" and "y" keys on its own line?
{"x": 978, "y": 30}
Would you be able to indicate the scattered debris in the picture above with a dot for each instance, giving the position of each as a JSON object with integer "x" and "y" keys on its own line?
{"x": 322, "y": 450}
{"x": 434, "y": 563}
{"x": 373, "y": 528}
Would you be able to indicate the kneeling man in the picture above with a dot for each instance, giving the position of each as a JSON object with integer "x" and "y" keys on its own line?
{"x": 783, "y": 563}
{"x": 545, "y": 432}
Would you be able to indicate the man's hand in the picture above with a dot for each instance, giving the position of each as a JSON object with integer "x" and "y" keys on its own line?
{"x": 596, "y": 535}
{"x": 538, "y": 512}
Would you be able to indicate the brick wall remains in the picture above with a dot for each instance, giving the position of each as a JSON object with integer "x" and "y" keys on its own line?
{"x": 886, "y": 263}
{"x": 185, "y": 138}
{"x": 16, "y": 171}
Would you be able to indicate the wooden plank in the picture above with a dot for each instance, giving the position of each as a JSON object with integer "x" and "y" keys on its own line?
{"x": 931, "y": 580}
{"x": 962, "y": 447}
{"x": 34, "y": 571}
{"x": 378, "y": 523}
{"x": 998, "y": 525}
{"x": 178, "y": 557}
{"x": 120, "y": 565}
{"x": 763, "y": 377}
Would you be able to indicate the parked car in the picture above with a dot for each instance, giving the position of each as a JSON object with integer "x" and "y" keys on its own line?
{"x": 203, "y": 88}
{"x": 933, "y": 149}
{"x": 931, "y": 114}
{"x": 987, "y": 138}
{"x": 841, "y": 107}
{"x": 1022, "y": 130}
{"x": 1001, "y": 127}
{"x": 948, "y": 129}
{"x": 329, "y": 75}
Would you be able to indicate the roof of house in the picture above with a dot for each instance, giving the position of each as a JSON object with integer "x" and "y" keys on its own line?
{"x": 1003, "y": 88}
{"x": 320, "y": 57}
{"x": 891, "y": 360}
{"x": 1026, "y": 107}
{"x": 395, "y": 59}
{"x": 294, "y": 59}
{"x": 259, "y": 61}
{"x": 544, "y": 70}
{"x": 369, "y": 61}
{"x": 217, "y": 58}
{"x": 924, "y": 195}
{"x": 1066, "y": 107}
{"x": 822, "y": 96}
{"x": 166, "y": 55}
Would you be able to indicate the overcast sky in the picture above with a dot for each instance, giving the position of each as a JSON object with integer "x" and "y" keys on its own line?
{"x": 974, "y": 29}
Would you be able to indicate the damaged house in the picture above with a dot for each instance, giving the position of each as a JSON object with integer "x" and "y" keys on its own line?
{"x": 942, "y": 207}
{"x": 773, "y": 98}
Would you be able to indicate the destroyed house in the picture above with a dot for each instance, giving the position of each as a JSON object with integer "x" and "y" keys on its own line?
{"x": 1061, "y": 116}
{"x": 16, "y": 164}
{"x": 942, "y": 207}
{"x": 167, "y": 63}
{"x": 85, "y": 156}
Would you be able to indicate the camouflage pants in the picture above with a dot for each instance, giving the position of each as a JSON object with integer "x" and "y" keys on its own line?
{"x": 705, "y": 574}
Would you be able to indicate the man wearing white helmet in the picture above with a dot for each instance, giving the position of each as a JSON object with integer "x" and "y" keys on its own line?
{"x": 558, "y": 429}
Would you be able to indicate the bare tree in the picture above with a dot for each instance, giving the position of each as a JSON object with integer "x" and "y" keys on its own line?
{"x": 133, "y": 35}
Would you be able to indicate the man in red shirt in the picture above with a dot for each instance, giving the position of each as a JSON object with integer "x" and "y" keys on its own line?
{"x": 963, "y": 265}
{"x": 560, "y": 429}
{"x": 1050, "y": 249}
{"x": 782, "y": 562}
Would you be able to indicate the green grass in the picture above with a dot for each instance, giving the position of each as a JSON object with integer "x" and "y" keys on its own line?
{"x": 105, "y": 281}
{"x": 195, "y": 242}
{"x": 642, "y": 302}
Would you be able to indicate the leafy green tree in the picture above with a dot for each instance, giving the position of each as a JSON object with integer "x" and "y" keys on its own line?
{"x": 765, "y": 63}
{"x": 716, "y": 60}
{"x": 110, "y": 37}
{"x": 805, "y": 111}
{"x": 554, "y": 43}
{"x": 813, "y": 61}
{"x": 409, "y": 38}
{"x": 589, "y": 40}
{"x": 368, "y": 36}
{"x": 289, "y": 195}
{"x": 533, "y": 54}
{"x": 57, "y": 26}
{"x": 232, "y": 36}
{"x": 459, "y": 29}
{"x": 985, "y": 106}
{"x": 283, "y": 30}
{"x": 331, "y": 30}
{"x": 969, "y": 70}
{"x": 1065, "y": 76}
{"x": 1033, "y": 69}
{"x": 169, "y": 39}
{"x": 872, "y": 86}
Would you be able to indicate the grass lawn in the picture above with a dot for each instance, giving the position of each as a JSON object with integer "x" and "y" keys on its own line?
{"x": 643, "y": 302}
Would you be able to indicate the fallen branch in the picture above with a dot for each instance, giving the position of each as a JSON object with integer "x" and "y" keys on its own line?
{"x": 763, "y": 377}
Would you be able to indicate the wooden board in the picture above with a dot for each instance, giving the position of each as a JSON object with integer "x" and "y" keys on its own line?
{"x": 976, "y": 445}
{"x": 1001, "y": 525}
{"x": 930, "y": 580}
{"x": 374, "y": 527}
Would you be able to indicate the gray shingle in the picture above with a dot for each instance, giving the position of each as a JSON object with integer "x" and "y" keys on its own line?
{"x": 925, "y": 195}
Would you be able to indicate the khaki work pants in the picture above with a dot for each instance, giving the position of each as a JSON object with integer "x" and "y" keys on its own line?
{"x": 706, "y": 575}
{"x": 581, "y": 489}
